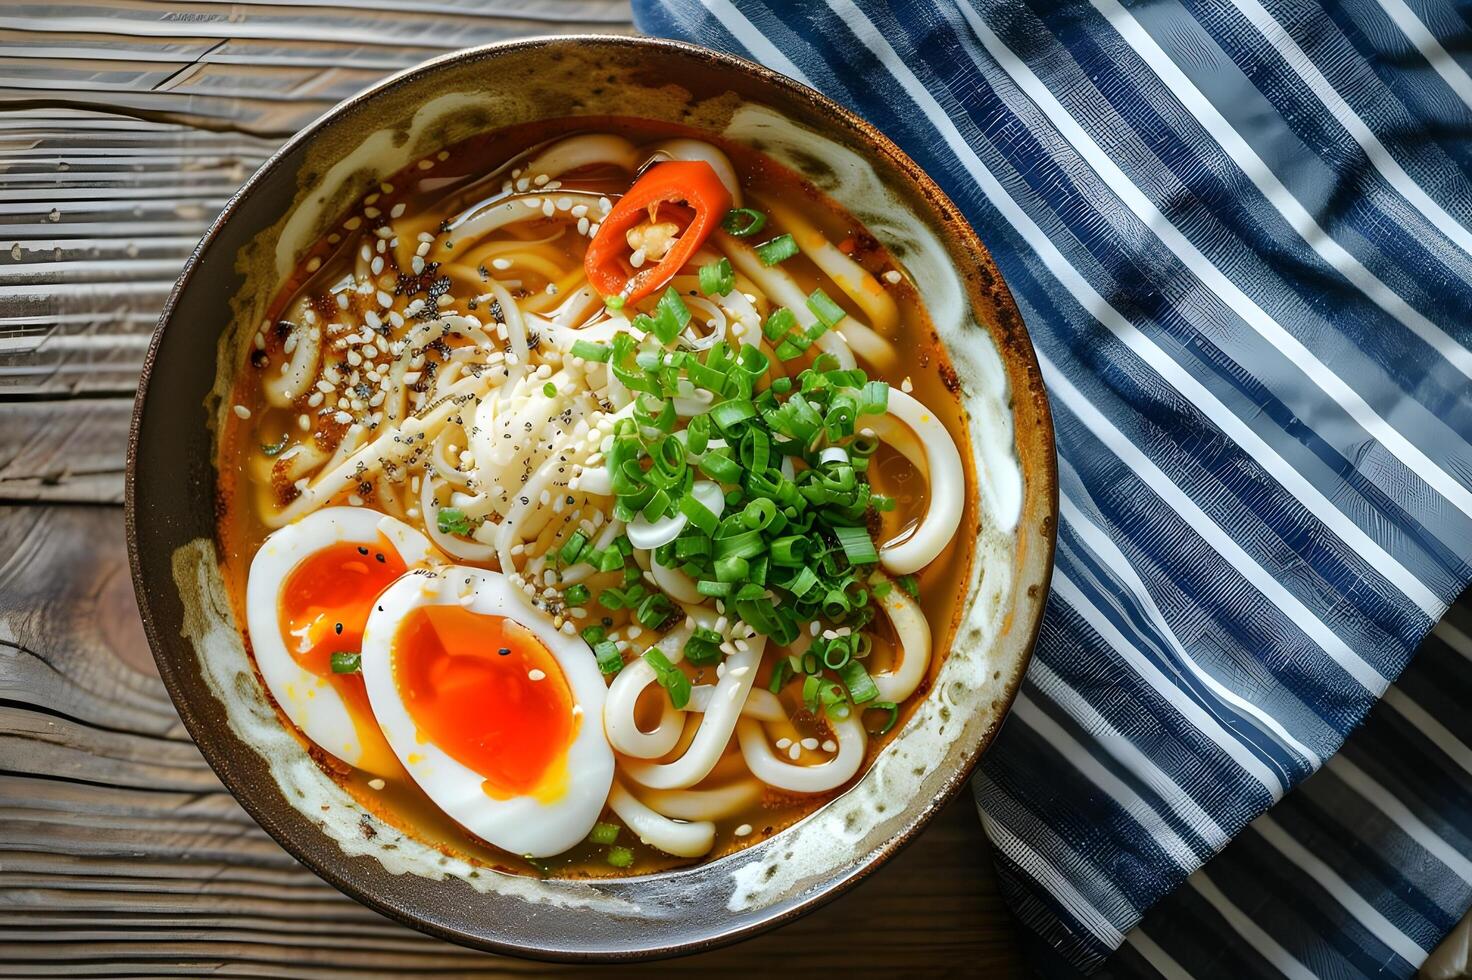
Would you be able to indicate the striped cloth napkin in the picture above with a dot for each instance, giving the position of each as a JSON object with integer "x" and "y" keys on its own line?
{"x": 1240, "y": 232}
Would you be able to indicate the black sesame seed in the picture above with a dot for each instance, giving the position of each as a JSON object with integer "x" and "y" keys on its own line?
{"x": 380, "y": 557}
{"x": 504, "y": 651}
{"x": 338, "y": 627}
{"x": 362, "y": 550}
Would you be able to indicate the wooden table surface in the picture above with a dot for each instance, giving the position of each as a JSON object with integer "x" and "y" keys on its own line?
{"x": 124, "y": 126}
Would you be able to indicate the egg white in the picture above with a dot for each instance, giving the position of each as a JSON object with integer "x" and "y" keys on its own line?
{"x": 310, "y": 701}
{"x": 522, "y": 824}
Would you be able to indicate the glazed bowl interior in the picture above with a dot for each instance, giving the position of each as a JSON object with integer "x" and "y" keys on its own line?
{"x": 172, "y": 504}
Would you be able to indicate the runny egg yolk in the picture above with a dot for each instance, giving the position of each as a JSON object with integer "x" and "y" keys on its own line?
{"x": 325, "y": 601}
{"x": 489, "y": 694}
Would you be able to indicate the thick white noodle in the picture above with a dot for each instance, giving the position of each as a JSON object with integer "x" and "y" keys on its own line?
{"x": 704, "y": 804}
{"x": 688, "y": 149}
{"x": 715, "y": 729}
{"x": 623, "y": 732}
{"x": 391, "y": 446}
{"x": 460, "y": 548}
{"x": 675, "y": 583}
{"x": 947, "y": 488}
{"x": 855, "y": 281}
{"x": 581, "y": 151}
{"x": 300, "y": 372}
{"x": 818, "y": 778}
{"x": 478, "y": 222}
{"x": 656, "y": 830}
{"x": 910, "y": 626}
{"x": 760, "y": 704}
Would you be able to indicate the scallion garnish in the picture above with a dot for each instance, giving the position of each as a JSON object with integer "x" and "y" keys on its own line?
{"x": 742, "y": 222}
{"x": 590, "y": 351}
{"x": 717, "y": 278}
{"x": 894, "y": 715}
{"x": 620, "y": 857}
{"x": 779, "y": 249}
{"x": 610, "y": 661}
{"x": 576, "y": 595}
{"x": 603, "y": 833}
{"x": 860, "y": 685}
{"x": 823, "y": 307}
{"x": 452, "y": 520}
{"x": 275, "y": 448}
{"x": 670, "y": 677}
{"x": 347, "y": 662}
{"x": 857, "y": 545}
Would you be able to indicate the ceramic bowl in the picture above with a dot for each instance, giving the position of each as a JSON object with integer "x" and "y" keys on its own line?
{"x": 171, "y": 497}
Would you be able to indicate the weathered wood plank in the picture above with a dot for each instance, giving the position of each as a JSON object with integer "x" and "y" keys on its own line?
{"x": 65, "y": 451}
{"x": 121, "y": 854}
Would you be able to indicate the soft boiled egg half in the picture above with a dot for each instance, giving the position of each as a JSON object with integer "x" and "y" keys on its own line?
{"x": 312, "y": 585}
{"x": 493, "y": 712}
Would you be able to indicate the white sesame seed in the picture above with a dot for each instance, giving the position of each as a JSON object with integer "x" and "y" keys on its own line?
{"x": 396, "y": 211}
{"x": 830, "y": 746}
{"x": 342, "y": 417}
{"x": 353, "y": 223}
{"x": 535, "y": 675}
{"x": 303, "y": 422}
{"x": 501, "y": 264}
{"x": 782, "y": 743}
{"x": 892, "y": 276}
{"x": 809, "y": 743}
{"x": 547, "y": 208}
{"x": 242, "y": 412}
{"x": 376, "y": 783}
{"x": 417, "y": 264}
{"x": 743, "y": 830}
{"x": 384, "y": 299}
{"x": 794, "y": 753}
{"x": 906, "y": 386}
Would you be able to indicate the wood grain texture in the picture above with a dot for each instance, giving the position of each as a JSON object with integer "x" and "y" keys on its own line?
{"x": 121, "y": 853}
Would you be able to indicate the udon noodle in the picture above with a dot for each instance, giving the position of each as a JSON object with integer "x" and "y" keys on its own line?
{"x": 598, "y": 508}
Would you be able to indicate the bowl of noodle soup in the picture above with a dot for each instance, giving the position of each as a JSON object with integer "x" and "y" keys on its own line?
{"x": 591, "y": 498}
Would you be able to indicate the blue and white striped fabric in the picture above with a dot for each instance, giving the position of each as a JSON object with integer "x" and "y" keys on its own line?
{"x": 1240, "y": 233}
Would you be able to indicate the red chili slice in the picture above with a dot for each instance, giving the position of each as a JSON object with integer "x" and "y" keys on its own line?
{"x": 692, "y": 183}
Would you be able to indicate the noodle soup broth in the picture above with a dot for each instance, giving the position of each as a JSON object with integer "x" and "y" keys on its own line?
{"x": 592, "y": 501}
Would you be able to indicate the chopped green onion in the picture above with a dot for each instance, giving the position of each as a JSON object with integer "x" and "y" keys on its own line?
{"x": 731, "y": 413}
{"x": 717, "y": 279}
{"x": 654, "y": 610}
{"x": 823, "y": 307}
{"x": 779, "y": 323}
{"x": 274, "y": 449}
{"x": 549, "y": 389}
{"x": 779, "y": 249}
{"x": 603, "y": 833}
{"x": 670, "y": 677}
{"x": 572, "y": 548}
{"x": 613, "y": 302}
{"x": 698, "y": 514}
{"x": 874, "y": 398}
{"x": 451, "y": 520}
{"x": 857, "y": 545}
{"x": 911, "y": 585}
{"x": 742, "y": 222}
{"x": 670, "y": 316}
{"x": 593, "y": 635}
{"x": 620, "y": 857}
{"x": 894, "y": 715}
{"x": 860, "y": 685}
{"x": 610, "y": 661}
{"x": 781, "y": 671}
{"x": 590, "y": 351}
{"x": 576, "y": 595}
{"x": 345, "y": 662}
